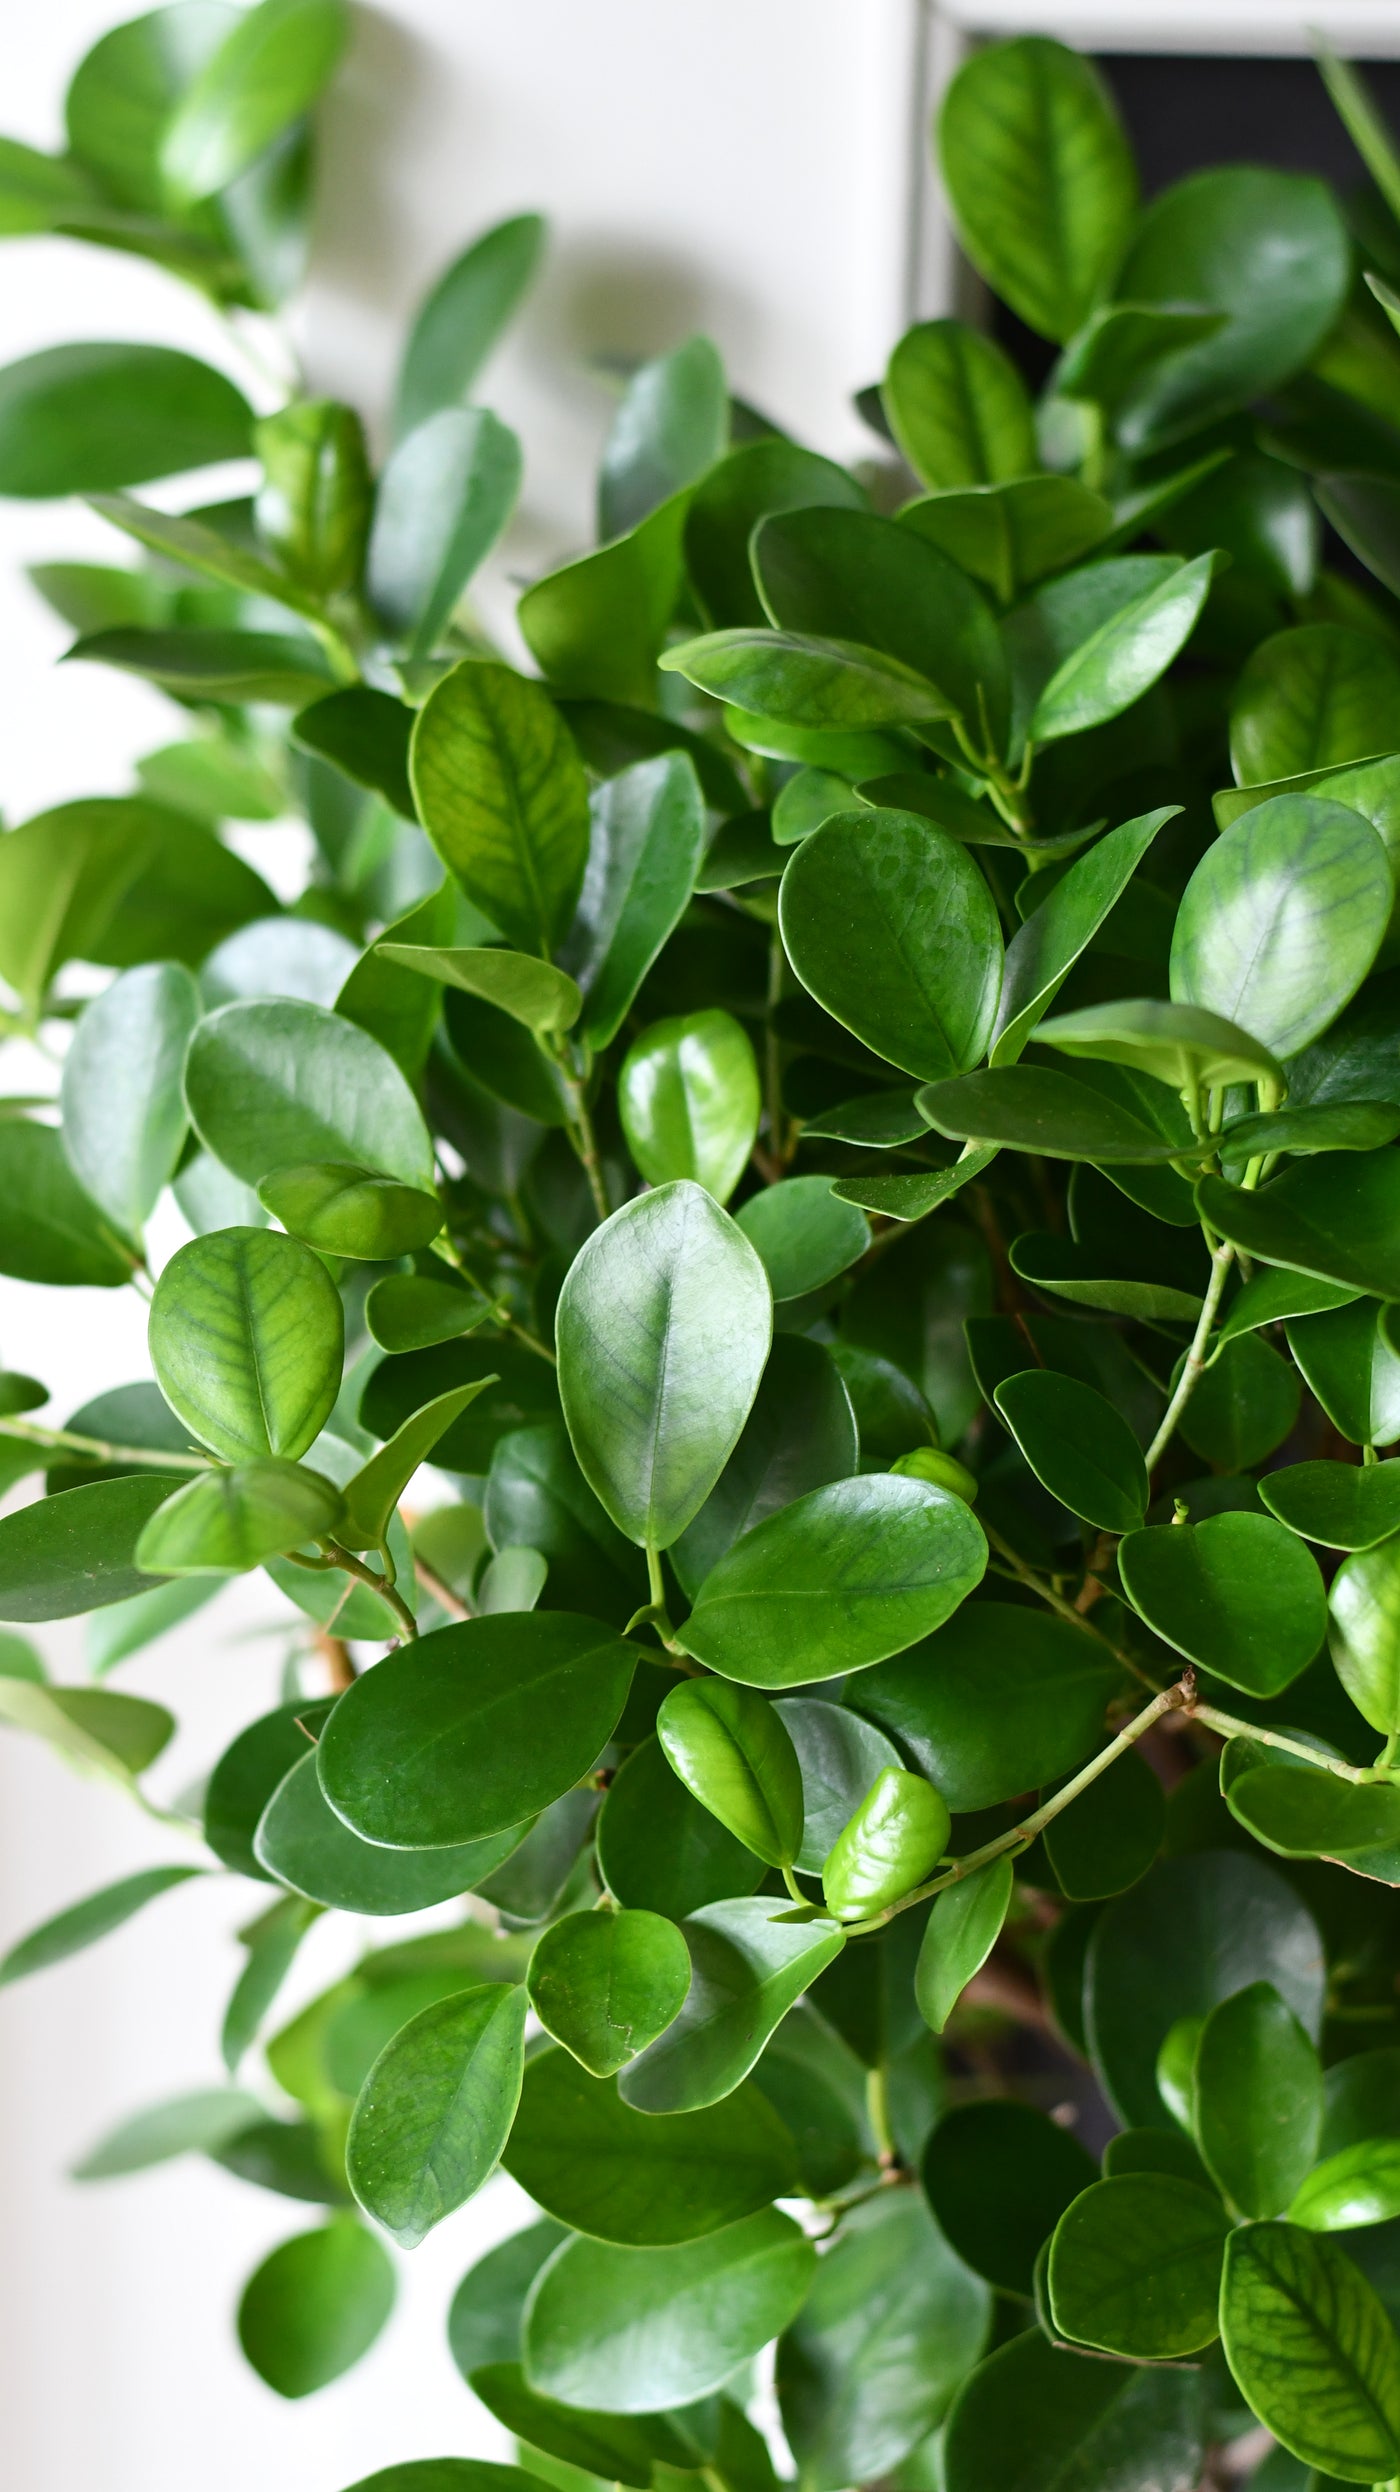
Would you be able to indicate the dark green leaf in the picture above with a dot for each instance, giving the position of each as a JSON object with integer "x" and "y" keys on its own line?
{"x": 1245, "y": 1403}
{"x": 302, "y": 1843}
{"x": 648, "y": 831}
{"x": 124, "y": 1121}
{"x": 366, "y": 734}
{"x": 688, "y": 1097}
{"x": 999, "y": 2176}
{"x": 959, "y": 1935}
{"x": 1039, "y": 2418}
{"x": 748, "y": 1966}
{"x": 246, "y": 1340}
{"x": 1237, "y": 1594}
{"x": 77, "y": 1551}
{"x": 1351, "y": 1367}
{"x": 246, "y": 1776}
{"x": 799, "y": 1434}
{"x": 50, "y": 1230}
{"x": 1340, "y": 1505}
{"x": 596, "y": 627}
{"x": 1313, "y": 2350}
{"x": 1311, "y": 699}
{"x": 659, "y": 1850}
{"x": 1010, "y": 535}
{"x": 81, "y": 1925}
{"x": 627, "y": 2451}
{"x": 1258, "y": 2100}
{"x": 436, "y": 2110}
{"x": 415, "y": 1311}
{"x": 1000, "y": 1701}
{"x": 1078, "y": 1446}
{"x": 1110, "y": 670}
{"x": 473, "y": 1728}
{"x": 671, "y": 425}
{"x": 1026, "y": 1108}
{"x": 313, "y": 2308}
{"x": 606, "y": 1984}
{"x": 374, "y": 1492}
{"x": 635, "y": 2178}
{"x": 537, "y": 1497}
{"x": 525, "y": 1395}
{"x": 461, "y": 318}
{"x": 840, "y": 1756}
{"x": 804, "y": 1234}
{"x": 758, "y": 478}
{"x": 637, "y": 2331}
{"x": 197, "y": 547}
{"x": 226, "y": 666}
{"x": 1135, "y": 2267}
{"x": 483, "y": 2324}
{"x": 281, "y": 1084}
{"x": 83, "y": 419}
{"x": 663, "y": 1329}
{"x": 502, "y": 795}
{"x": 444, "y": 497}
{"x": 1040, "y": 957}
{"x": 803, "y": 681}
{"x": 958, "y": 407}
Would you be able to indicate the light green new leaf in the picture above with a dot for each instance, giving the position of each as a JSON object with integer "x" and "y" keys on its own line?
{"x": 835, "y": 1581}
{"x": 271, "y": 65}
{"x": 247, "y": 1340}
{"x": 124, "y": 1120}
{"x": 229, "y": 1521}
{"x": 284, "y": 1084}
{"x": 343, "y": 1210}
{"x": 644, "y": 852}
{"x": 461, "y": 318}
{"x": 689, "y": 1100}
{"x": 443, "y": 499}
{"x": 1257, "y": 2098}
{"x": 638, "y": 2331}
{"x": 1135, "y": 2267}
{"x": 502, "y": 795}
{"x": 636, "y": 2178}
{"x": 1313, "y": 2349}
{"x": 532, "y": 991}
{"x": 749, "y": 1963}
{"x": 81, "y": 1925}
{"x": 1358, "y": 2185}
{"x": 731, "y": 1749}
{"x": 474, "y": 1727}
{"x": 1118, "y": 662}
{"x": 1042, "y": 953}
{"x": 436, "y": 2109}
{"x": 663, "y": 1329}
{"x": 1365, "y": 1633}
{"x": 605, "y": 1984}
{"x": 895, "y": 1839}
{"x": 960, "y": 1933}
{"x": 375, "y": 1490}
{"x": 1282, "y": 919}
{"x": 672, "y": 423}
{"x": 1040, "y": 177}
{"x": 315, "y": 2306}
{"x": 891, "y": 926}
{"x": 958, "y": 407}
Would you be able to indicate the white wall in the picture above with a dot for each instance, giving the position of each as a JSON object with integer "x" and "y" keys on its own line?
{"x": 745, "y": 169}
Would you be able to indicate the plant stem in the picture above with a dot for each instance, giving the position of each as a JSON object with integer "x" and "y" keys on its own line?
{"x": 96, "y": 1449}
{"x": 773, "y": 1057}
{"x": 1016, "y": 1838}
{"x": 1222, "y": 1255}
{"x": 349, "y": 1564}
{"x": 877, "y": 2109}
{"x": 792, "y": 1886}
{"x": 581, "y": 1132}
{"x": 1056, "y": 1600}
{"x": 1230, "y": 1726}
{"x": 448, "y": 1252}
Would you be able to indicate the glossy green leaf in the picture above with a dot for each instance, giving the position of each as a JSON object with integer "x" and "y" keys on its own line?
{"x": 1001, "y": 1701}
{"x": 805, "y": 1235}
{"x": 1026, "y": 1108}
{"x": 648, "y": 829}
{"x": 277, "y": 956}
{"x": 1118, "y": 662}
{"x": 525, "y": 1395}
{"x": 659, "y": 1850}
{"x": 890, "y": 2329}
{"x": 473, "y": 1728}
{"x": 1236, "y": 1593}
{"x": 246, "y": 1339}
{"x": 303, "y": 1844}
{"x": 1258, "y": 2100}
{"x": 313, "y": 506}
{"x": 81, "y": 1925}
{"x": 230, "y": 1520}
{"x": 1135, "y": 2267}
{"x": 414, "y": 1311}
{"x": 748, "y": 1966}
{"x": 912, "y": 1198}
{"x": 537, "y": 1497}
{"x": 83, "y": 419}
{"x": 732, "y": 1751}
{"x": 756, "y": 479}
{"x": 1110, "y": 1836}
{"x": 1010, "y": 535}
{"x": 840, "y": 1756}
{"x": 124, "y": 1119}
{"x": 807, "y": 681}
{"x": 315, "y": 2306}
{"x": 436, "y": 2110}
{"x": 892, "y": 928}
{"x": 1351, "y": 1368}
{"x": 663, "y": 1329}
{"x": 1302, "y": 1811}
{"x": 1118, "y": 354}
{"x": 1313, "y": 2350}
{"x": 1174, "y": 1043}
{"x": 1312, "y": 698}
{"x": 1040, "y": 177}
{"x": 1041, "y": 955}
{"x": 50, "y": 1230}
{"x": 894, "y": 1839}
{"x": 958, "y": 407}
{"x": 283, "y": 668}
{"x": 1333, "y": 1218}
{"x": 247, "y": 1775}
{"x": 799, "y": 1434}
{"x": 999, "y": 2176}
{"x": 1282, "y": 920}
{"x": 77, "y": 1551}
{"x": 502, "y": 795}
{"x": 461, "y": 318}
{"x": 444, "y": 498}
{"x": 1049, "y": 2420}
{"x": 637, "y": 2179}
{"x": 1194, "y": 1931}
{"x": 1220, "y": 241}
{"x": 627, "y": 2449}
{"x": 1360, "y": 2185}
{"x": 637, "y": 2331}
{"x": 688, "y": 1097}
{"x": 1078, "y": 1446}
{"x": 1273, "y": 1294}
{"x": 672, "y": 423}
{"x": 962, "y": 1929}
{"x": 1365, "y": 1633}
{"x": 1347, "y": 1125}
{"x": 373, "y": 1493}
{"x": 366, "y": 735}
{"x": 606, "y": 1984}
{"x": 483, "y": 2324}
{"x": 836, "y": 1581}
{"x": 1341, "y": 1505}
{"x": 283, "y": 1084}
{"x": 1245, "y": 1403}
{"x": 270, "y": 66}
{"x": 343, "y": 1210}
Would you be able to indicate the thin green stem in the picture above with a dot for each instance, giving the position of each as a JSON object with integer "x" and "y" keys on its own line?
{"x": 349, "y": 1564}
{"x": 773, "y": 1055}
{"x": 1222, "y": 1255}
{"x": 581, "y": 1132}
{"x": 877, "y": 2111}
{"x": 1168, "y": 1700}
{"x": 1046, "y": 1592}
{"x": 97, "y": 1449}
{"x": 448, "y": 1252}
{"x": 1232, "y": 1726}
{"x": 792, "y": 1886}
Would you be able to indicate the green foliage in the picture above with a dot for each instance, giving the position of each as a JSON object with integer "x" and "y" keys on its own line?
{"x": 807, "y": 1234}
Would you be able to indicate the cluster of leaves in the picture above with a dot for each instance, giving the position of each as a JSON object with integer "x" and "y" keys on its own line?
{"x": 868, "y": 1170}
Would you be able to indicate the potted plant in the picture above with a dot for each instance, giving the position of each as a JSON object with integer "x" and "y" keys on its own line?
{"x": 850, "y": 1116}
